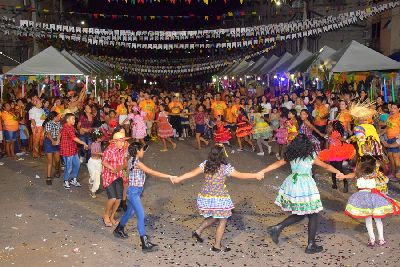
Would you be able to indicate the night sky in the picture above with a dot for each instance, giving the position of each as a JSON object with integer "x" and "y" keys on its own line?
{"x": 215, "y": 7}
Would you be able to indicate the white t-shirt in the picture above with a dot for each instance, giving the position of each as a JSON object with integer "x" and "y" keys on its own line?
{"x": 332, "y": 113}
{"x": 266, "y": 108}
{"x": 38, "y": 115}
{"x": 288, "y": 105}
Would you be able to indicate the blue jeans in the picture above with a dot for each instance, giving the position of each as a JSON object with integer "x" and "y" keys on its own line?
{"x": 134, "y": 206}
{"x": 82, "y": 152}
{"x": 71, "y": 168}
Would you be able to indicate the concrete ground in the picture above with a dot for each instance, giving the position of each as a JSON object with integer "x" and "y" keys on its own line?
{"x": 49, "y": 226}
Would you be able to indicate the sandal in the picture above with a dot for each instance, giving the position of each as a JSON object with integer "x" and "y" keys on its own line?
{"x": 107, "y": 224}
{"x": 197, "y": 236}
{"x": 163, "y": 150}
{"x": 222, "y": 249}
{"x": 381, "y": 243}
{"x": 371, "y": 243}
{"x": 173, "y": 146}
{"x": 49, "y": 181}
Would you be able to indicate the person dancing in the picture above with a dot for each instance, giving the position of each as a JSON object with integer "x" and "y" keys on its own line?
{"x": 214, "y": 202}
{"x": 299, "y": 193}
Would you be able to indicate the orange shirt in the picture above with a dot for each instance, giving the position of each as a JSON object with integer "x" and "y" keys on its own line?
{"x": 121, "y": 110}
{"x": 235, "y": 110}
{"x": 59, "y": 109}
{"x": 218, "y": 108}
{"x": 321, "y": 115}
{"x": 10, "y": 121}
{"x": 230, "y": 118}
{"x": 175, "y": 107}
{"x": 149, "y": 107}
{"x": 345, "y": 118}
{"x": 393, "y": 126}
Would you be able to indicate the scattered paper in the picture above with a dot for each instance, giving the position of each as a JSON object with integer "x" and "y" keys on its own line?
{"x": 18, "y": 215}
{"x": 37, "y": 176}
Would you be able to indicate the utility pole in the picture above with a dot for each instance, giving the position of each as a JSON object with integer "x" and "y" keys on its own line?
{"x": 34, "y": 17}
{"x": 61, "y": 12}
{"x": 305, "y": 11}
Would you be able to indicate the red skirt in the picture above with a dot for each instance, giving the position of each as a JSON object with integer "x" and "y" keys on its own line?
{"x": 244, "y": 129}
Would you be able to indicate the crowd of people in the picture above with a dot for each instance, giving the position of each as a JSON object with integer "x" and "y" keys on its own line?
{"x": 343, "y": 132}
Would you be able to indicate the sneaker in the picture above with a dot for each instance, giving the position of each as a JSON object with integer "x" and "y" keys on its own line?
{"x": 181, "y": 139}
{"x": 93, "y": 195}
{"x": 75, "y": 183}
{"x": 277, "y": 156}
{"x": 260, "y": 154}
{"x": 239, "y": 150}
{"x": 269, "y": 150}
{"x": 66, "y": 185}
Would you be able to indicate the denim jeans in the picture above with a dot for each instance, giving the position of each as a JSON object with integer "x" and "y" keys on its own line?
{"x": 71, "y": 168}
{"x": 82, "y": 152}
{"x": 134, "y": 206}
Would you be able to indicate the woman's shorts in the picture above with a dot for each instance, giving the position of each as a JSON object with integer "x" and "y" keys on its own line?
{"x": 48, "y": 147}
{"x": 393, "y": 149}
{"x": 115, "y": 189}
{"x": 10, "y": 136}
{"x": 200, "y": 128}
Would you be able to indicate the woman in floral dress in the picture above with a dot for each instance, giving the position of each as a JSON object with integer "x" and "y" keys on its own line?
{"x": 213, "y": 201}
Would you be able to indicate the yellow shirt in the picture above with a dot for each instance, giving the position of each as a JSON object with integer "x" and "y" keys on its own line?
{"x": 121, "y": 110}
{"x": 149, "y": 107}
{"x": 344, "y": 117}
{"x": 175, "y": 107}
{"x": 321, "y": 115}
{"x": 230, "y": 118}
{"x": 218, "y": 108}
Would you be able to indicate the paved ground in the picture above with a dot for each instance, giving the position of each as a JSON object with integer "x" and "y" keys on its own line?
{"x": 48, "y": 226}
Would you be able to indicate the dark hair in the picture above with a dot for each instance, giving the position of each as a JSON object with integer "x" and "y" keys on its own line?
{"x": 50, "y": 117}
{"x": 216, "y": 158}
{"x": 117, "y": 129}
{"x": 133, "y": 149}
{"x": 337, "y": 126}
{"x": 365, "y": 165}
{"x": 66, "y": 117}
{"x": 310, "y": 118}
{"x": 300, "y": 148}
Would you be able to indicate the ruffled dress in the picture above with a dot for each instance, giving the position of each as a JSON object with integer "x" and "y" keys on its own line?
{"x": 214, "y": 200}
{"x": 337, "y": 151}
{"x": 299, "y": 193}
{"x": 221, "y": 134}
{"x": 369, "y": 201}
{"x": 261, "y": 128}
{"x": 139, "y": 129}
{"x": 165, "y": 129}
{"x": 243, "y": 127}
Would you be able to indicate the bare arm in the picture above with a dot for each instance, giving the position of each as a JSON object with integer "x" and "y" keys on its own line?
{"x": 327, "y": 167}
{"x": 152, "y": 172}
{"x": 347, "y": 176}
{"x": 245, "y": 175}
{"x": 188, "y": 175}
{"x": 274, "y": 166}
{"x": 313, "y": 128}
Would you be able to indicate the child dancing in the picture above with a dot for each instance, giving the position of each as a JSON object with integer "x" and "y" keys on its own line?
{"x": 214, "y": 202}
{"x": 165, "y": 131}
{"x": 94, "y": 163}
{"x": 137, "y": 177}
{"x": 299, "y": 193}
{"x": 369, "y": 202}
{"x": 221, "y": 135}
{"x": 337, "y": 152}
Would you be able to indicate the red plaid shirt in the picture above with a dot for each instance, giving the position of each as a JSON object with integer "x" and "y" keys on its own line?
{"x": 116, "y": 158}
{"x": 68, "y": 146}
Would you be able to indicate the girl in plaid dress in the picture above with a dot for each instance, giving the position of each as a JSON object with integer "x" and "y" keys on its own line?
{"x": 213, "y": 201}
{"x": 137, "y": 177}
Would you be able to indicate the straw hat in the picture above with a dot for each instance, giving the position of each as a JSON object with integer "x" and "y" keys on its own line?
{"x": 362, "y": 110}
{"x": 65, "y": 111}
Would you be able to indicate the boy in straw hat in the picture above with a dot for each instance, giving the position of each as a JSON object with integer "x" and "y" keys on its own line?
{"x": 114, "y": 162}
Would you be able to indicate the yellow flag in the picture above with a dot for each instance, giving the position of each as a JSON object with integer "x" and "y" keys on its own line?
{"x": 205, "y": 2}
{"x": 206, "y": 17}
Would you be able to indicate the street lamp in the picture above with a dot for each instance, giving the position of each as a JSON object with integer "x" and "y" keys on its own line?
{"x": 82, "y": 22}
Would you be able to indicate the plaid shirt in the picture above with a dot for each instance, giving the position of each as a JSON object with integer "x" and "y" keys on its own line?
{"x": 68, "y": 147}
{"x": 53, "y": 128}
{"x": 116, "y": 158}
{"x": 137, "y": 177}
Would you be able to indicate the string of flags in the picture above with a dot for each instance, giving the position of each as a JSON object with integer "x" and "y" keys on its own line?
{"x": 174, "y": 2}
{"x": 285, "y": 31}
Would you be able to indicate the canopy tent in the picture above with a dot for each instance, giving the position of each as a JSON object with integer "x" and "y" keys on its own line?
{"x": 85, "y": 63}
{"x": 241, "y": 66}
{"x": 229, "y": 68}
{"x": 287, "y": 56}
{"x": 68, "y": 56}
{"x": 48, "y": 62}
{"x": 269, "y": 64}
{"x": 245, "y": 71}
{"x": 355, "y": 57}
{"x": 317, "y": 58}
{"x": 296, "y": 60}
{"x": 257, "y": 65}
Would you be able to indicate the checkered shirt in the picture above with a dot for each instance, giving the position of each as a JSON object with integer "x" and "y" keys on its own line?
{"x": 68, "y": 147}
{"x": 53, "y": 128}
{"x": 137, "y": 177}
{"x": 116, "y": 158}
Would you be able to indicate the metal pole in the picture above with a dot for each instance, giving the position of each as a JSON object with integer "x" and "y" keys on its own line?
{"x": 304, "y": 19}
{"x": 34, "y": 17}
{"x": 2, "y": 86}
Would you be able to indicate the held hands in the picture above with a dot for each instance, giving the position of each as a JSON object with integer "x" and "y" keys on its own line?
{"x": 341, "y": 176}
{"x": 260, "y": 175}
{"x": 85, "y": 146}
{"x": 172, "y": 178}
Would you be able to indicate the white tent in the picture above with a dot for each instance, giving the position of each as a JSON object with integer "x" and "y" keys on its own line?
{"x": 241, "y": 66}
{"x": 287, "y": 56}
{"x": 317, "y": 59}
{"x": 229, "y": 68}
{"x": 357, "y": 57}
{"x": 269, "y": 64}
{"x": 245, "y": 70}
{"x": 48, "y": 62}
{"x": 75, "y": 62}
{"x": 257, "y": 65}
{"x": 297, "y": 59}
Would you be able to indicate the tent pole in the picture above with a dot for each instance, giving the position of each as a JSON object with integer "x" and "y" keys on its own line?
{"x": 2, "y": 86}
{"x": 95, "y": 87}
{"x": 87, "y": 82}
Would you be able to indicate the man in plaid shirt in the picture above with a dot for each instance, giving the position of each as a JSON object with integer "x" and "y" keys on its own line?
{"x": 114, "y": 162}
{"x": 69, "y": 151}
